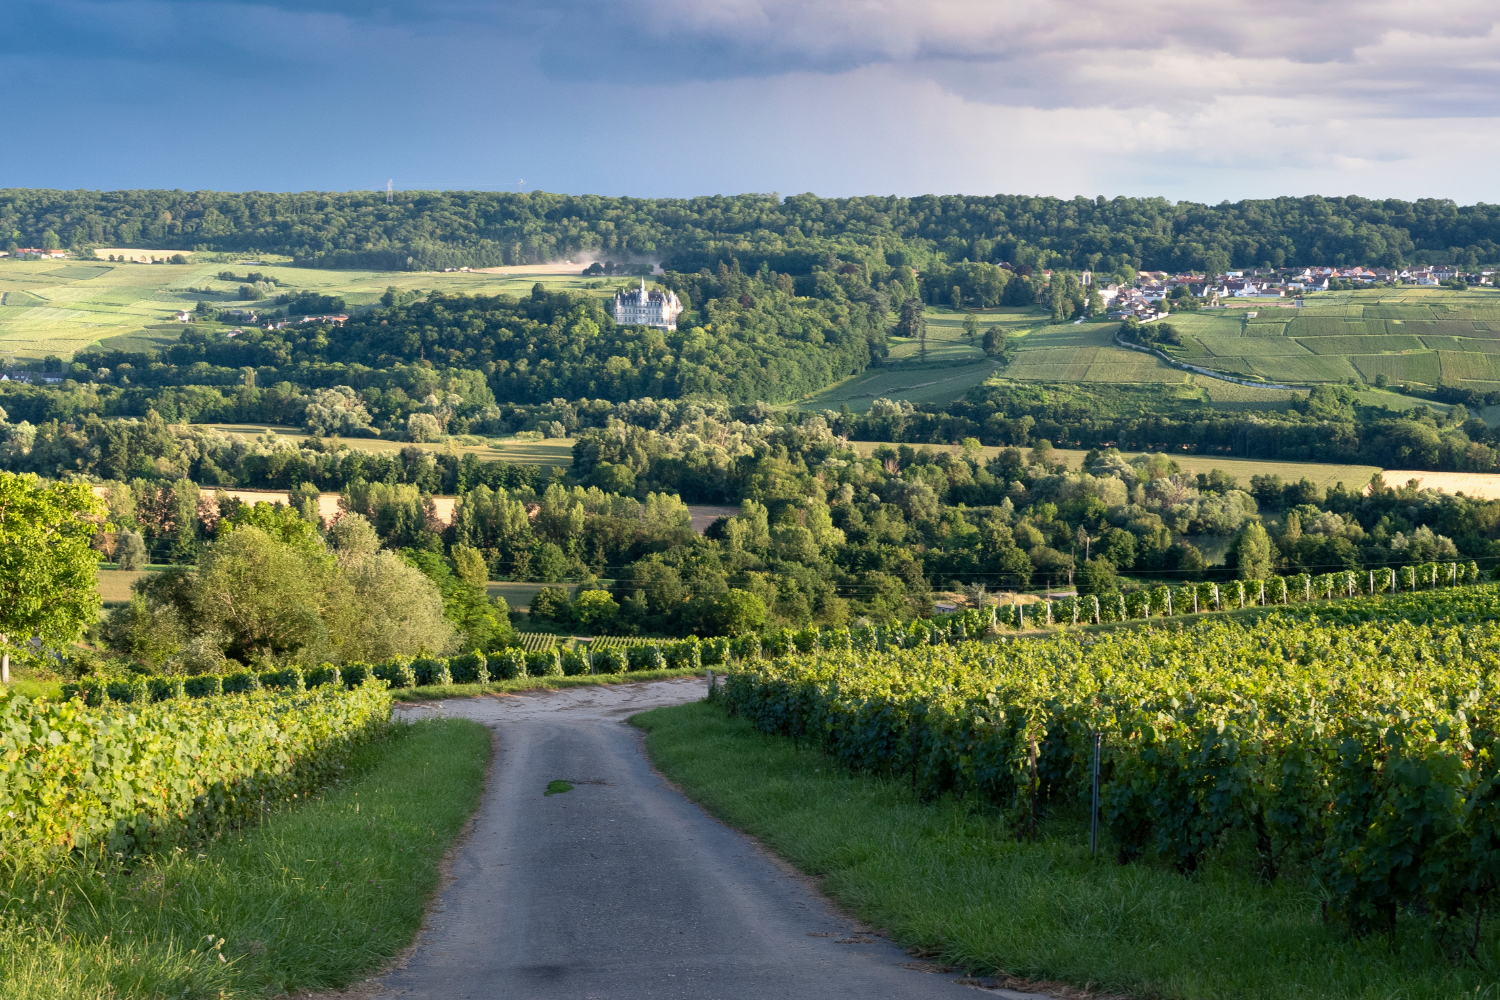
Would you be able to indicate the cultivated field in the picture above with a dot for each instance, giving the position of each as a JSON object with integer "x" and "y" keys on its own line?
{"x": 56, "y": 307}
{"x": 1483, "y": 485}
{"x": 1422, "y": 336}
{"x": 1083, "y": 352}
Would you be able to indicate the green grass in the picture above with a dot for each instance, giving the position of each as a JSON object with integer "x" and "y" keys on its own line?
{"x": 61, "y": 310}
{"x": 948, "y": 879}
{"x": 324, "y": 892}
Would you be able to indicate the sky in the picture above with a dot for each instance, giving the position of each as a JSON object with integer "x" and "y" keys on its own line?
{"x": 1186, "y": 100}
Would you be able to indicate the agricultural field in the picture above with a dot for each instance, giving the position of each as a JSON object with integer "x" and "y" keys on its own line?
{"x": 953, "y": 363}
{"x": 1421, "y": 336}
{"x": 58, "y": 308}
{"x": 928, "y": 384}
{"x": 1485, "y": 485}
{"x": 1233, "y": 894}
{"x": 1086, "y": 352}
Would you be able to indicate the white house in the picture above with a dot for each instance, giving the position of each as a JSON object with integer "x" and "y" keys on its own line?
{"x": 638, "y": 307}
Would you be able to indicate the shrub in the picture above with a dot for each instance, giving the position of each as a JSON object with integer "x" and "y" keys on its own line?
{"x": 241, "y": 681}
{"x": 355, "y": 674}
{"x": 715, "y": 652}
{"x": 324, "y": 673}
{"x": 396, "y": 673}
{"x": 204, "y": 686}
{"x": 610, "y": 661}
{"x": 130, "y": 690}
{"x": 685, "y": 655}
{"x": 646, "y": 658}
{"x": 471, "y": 668}
{"x": 290, "y": 679}
{"x": 543, "y": 663}
{"x": 574, "y": 663}
{"x": 508, "y": 664}
{"x": 166, "y": 688}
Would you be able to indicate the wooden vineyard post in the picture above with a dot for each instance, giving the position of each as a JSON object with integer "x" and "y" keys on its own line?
{"x": 1094, "y": 812}
{"x": 1035, "y": 782}
{"x": 1262, "y": 593}
{"x": 1372, "y": 582}
{"x": 710, "y": 682}
{"x": 1218, "y": 605}
{"x": 1095, "y": 599}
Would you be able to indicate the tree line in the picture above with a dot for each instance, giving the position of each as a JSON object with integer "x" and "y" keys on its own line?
{"x": 424, "y": 230}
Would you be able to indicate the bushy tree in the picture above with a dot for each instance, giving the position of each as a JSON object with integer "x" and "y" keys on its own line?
{"x": 48, "y": 569}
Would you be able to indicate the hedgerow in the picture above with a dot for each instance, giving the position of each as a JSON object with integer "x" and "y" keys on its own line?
{"x": 1365, "y": 750}
{"x": 131, "y": 776}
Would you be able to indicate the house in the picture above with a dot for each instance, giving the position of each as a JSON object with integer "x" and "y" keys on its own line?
{"x": 647, "y": 308}
{"x": 184, "y": 316}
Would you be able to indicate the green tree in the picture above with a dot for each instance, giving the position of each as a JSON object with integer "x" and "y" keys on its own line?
{"x": 49, "y": 581}
{"x": 994, "y": 340}
{"x": 550, "y": 604}
{"x": 1253, "y": 552}
{"x": 1097, "y": 577}
{"x": 132, "y": 553}
{"x": 595, "y": 609}
{"x": 262, "y": 597}
{"x": 737, "y": 612}
{"x": 50, "y": 241}
{"x": 469, "y": 564}
{"x": 971, "y": 326}
{"x": 395, "y": 610}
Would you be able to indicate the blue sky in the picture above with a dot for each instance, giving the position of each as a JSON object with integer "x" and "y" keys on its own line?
{"x": 1144, "y": 97}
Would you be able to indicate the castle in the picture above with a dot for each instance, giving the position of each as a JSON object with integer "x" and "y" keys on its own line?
{"x": 639, "y": 307}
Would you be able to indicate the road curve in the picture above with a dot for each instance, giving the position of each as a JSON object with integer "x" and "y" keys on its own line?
{"x": 622, "y": 888}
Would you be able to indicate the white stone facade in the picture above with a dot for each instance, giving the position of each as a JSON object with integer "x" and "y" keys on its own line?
{"x": 639, "y": 307}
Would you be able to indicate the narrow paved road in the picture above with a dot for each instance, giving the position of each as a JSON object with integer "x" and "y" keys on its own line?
{"x": 622, "y": 888}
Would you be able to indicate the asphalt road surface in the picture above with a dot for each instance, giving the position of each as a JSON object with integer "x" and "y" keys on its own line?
{"x": 622, "y": 888}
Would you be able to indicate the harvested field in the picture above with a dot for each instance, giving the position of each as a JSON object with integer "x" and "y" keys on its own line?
{"x": 1484, "y": 485}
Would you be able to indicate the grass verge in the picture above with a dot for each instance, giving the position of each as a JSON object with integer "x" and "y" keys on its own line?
{"x": 947, "y": 879}
{"x": 437, "y": 692}
{"x": 320, "y": 894}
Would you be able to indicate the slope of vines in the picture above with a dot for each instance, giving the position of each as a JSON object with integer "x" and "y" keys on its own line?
{"x": 1365, "y": 750}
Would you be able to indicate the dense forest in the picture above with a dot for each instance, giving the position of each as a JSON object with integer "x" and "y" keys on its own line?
{"x": 428, "y": 229}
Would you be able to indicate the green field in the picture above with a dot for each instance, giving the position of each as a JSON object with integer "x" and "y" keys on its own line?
{"x": 1084, "y": 352}
{"x": 1415, "y": 335}
{"x": 47, "y": 307}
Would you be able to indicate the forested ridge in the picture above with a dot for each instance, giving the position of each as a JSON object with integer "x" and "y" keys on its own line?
{"x": 427, "y": 229}
{"x": 751, "y": 338}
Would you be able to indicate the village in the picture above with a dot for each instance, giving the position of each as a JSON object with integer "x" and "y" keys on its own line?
{"x": 1144, "y": 299}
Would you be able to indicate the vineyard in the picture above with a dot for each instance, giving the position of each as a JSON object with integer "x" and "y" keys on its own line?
{"x": 1357, "y": 745}
{"x": 141, "y": 776}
